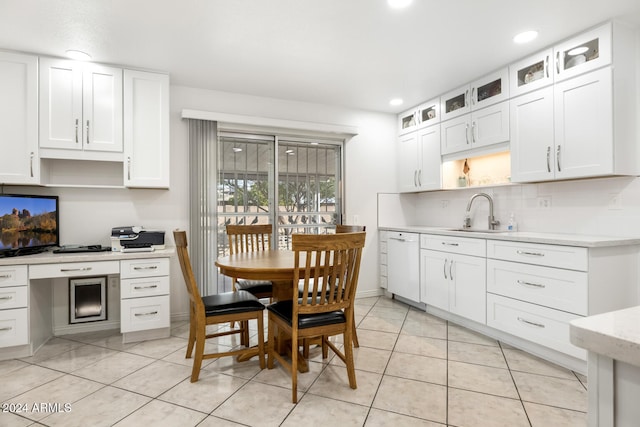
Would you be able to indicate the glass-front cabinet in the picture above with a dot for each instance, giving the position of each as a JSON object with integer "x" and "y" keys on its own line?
{"x": 455, "y": 103}
{"x": 486, "y": 91}
{"x": 425, "y": 114}
{"x": 531, "y": 73}
{"x": 583, "y": 53}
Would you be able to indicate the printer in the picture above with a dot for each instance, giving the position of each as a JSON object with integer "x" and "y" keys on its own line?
{"x": 135, "y": 238}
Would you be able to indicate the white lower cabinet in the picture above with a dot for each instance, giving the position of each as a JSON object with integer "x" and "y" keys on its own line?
{"x": 453, "y": 276}
{"x": 144, "y": 294}
{"x": 14, "y": 325}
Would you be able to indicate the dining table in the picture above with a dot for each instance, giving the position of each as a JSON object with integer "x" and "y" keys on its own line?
{"x": 277, "y": 266}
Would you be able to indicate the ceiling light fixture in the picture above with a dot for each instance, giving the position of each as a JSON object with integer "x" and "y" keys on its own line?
{"x": 525, "y": 37}
{"x": 399, "y": 4}
{"x": 577, "y": 51}
{"x": 395, "y": 102}
{"x": 78, "y": 55}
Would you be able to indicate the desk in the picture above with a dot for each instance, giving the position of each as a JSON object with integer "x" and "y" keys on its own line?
{"x": 27, "y": 311}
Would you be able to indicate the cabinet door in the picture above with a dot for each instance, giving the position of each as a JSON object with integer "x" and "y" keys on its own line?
{"x": 455, "y": 135}
{"x": 407, "y": 122}
{"x": 429, "y": 113}
{"x": 532, "y": 137}
{"x": 531, "y": 73}
{"x": 60, "y": 104}
{"x": 146, "y": 129}
{"x": 468, "y": 293}
{"x": 584, "y": 53}
{"x": 584, "y": 125}
{"x": 102, "y": 109}
{"x": 490, "y": 125}
{"x": 429, "y": 173}
{"x": 455, "y": 103}
{"x": 490, "y": 89}
{"x": 19, "y": 162}
{"x": 407, "y": 163}
{"x": 435, "y": 272}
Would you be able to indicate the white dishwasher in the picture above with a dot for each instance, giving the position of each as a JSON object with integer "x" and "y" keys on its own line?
{"x": 403, "y": 264}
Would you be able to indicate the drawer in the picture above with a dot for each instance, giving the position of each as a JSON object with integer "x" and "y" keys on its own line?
{"x": 14, "y": 328}
{"x": 458, "y": 245}
{"x": 141, "y": 314}
{"x": 147, "y": 267}
{"x": 541, "y": 325}
{"x": 74, "y": 269}
{"x": 565, "y": 290}
{"x": 13, "y": 297}
{"x": 568, "y": 257}
{"x": 13, "y": 275}
{"x": 144, "y": 287}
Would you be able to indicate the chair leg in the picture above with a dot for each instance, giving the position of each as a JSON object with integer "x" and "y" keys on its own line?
{"x": 192, "y": 336}
{"x": 197, "y": 362}
{"x": 261, "y": 340}
{"x": 355, "y": 336}
{"x": 348, "y": 352}
{"x": 271, "y": 328}
{"x": 294, "y": 368}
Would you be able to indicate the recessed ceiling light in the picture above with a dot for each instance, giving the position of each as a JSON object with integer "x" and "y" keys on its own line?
{"x": 578, "y": 51}
{"x": 78, "y": 55}
{"x": 525, "y": 36}
{"x": 399, "y": 4}
{"x": 396, "y": 101}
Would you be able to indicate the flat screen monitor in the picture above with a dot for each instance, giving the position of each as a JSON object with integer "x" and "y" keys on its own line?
{"x": 28, "y": 224}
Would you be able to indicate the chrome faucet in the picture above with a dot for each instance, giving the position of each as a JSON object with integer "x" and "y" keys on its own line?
{"x": 467, "y": 217}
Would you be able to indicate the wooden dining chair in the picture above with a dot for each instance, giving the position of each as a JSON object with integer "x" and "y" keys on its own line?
{"x": 328, "y": 266}
{"x": 251, "y": 238}
{"x": 227, "y": 307}
{"x": 344, "y": 228}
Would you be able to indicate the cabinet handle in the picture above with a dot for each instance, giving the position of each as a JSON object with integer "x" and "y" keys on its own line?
{"x": 444, "y": 268}
{"x": 76, "y": 269}
{"x": 415, "y": 178}
{"x": 420, "y": 178}
{"x": 473, "y": 132}
{"x": 549, "y": 159}
{"x": 77, "y": 122}
{"x": 31, "y": 163}
{"x": 519, "y": 252}
{"x": 473, "y": 97}
{"x": 150, "y": 267}
{"x": 535, "y": 285}
{"x": 7, "y": 328}
{"x": 6, "y": 298}
{"x": 529, "y": 322}
{"x": 558, "y": 158}
{"x": 450, "y": 244}
{"x": 466, "y": 97}
{"x": 145, "y": 287}
{"x": 5, "y": 276}
{"x": 557, "y": 62}
{"x": 399, "y": 239}
{"x": 151, "y": 313}
{"x": 451, "y": 272}
{"x": 466, "y": 132}
{"x": 87, "y": 131}
{"x": 546, "y": 65}
{"x": 129, "y": 168}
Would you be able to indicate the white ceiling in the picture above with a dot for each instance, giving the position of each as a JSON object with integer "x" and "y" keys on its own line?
{"x": 353, "y": 53}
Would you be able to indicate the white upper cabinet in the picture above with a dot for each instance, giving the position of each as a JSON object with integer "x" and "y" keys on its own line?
{"x": 583, "y": 53}
{"x": 425, "y": 114}
{"x": 19, "y": 163}
{"x": 146, "y": 129}
{"x": 486, "y": 91}
{"x": 534, "y": 72}
{"x": 80, "y": 110}
{"x": 419, "y": 164}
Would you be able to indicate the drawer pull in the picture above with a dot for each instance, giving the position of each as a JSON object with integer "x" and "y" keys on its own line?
{"x": 399, "y": 239}
{"x": 529, "y": 322}
{"x": 5, "y": 276}
{"x": 519, "y": 252}
{"x": 76, "y": 269}
{"x": 151, "y": 313}
{"x": 6, "y": 298}
{"x": 145, "y": 287}
{"x": 535, "y": 285}
{"x": 151, "y": 267}
{"x": 450, "y": 244}
{"x": 6, "y": 328}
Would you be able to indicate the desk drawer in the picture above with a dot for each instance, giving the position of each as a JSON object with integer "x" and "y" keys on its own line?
{"x": 74, "y": 269}
{"x": 144, "y": 287}
{"x": 14, "y": 328}
{"x": 141, "y": 314}
{"x": 13, "y": 297}
{"x": 13, "y": 275}
{"x": 148, "y": 267}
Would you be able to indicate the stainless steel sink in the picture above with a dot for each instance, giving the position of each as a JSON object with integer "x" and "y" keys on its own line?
{"x": 477, "y": 230}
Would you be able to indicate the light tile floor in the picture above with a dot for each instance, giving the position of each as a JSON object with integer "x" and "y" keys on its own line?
{"x": 413, "y": 369}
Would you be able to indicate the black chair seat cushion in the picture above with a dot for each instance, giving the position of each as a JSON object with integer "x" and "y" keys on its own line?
{"x": 255, "y": 286}
{"x": 284, "y": 309}
{"x": 230, "y": 303}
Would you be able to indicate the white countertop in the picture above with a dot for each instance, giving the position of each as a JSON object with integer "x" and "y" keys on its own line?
{"x": 51, "y": 258}
{"x": 587, "y": 241}
{"x": 615, "y": 334}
